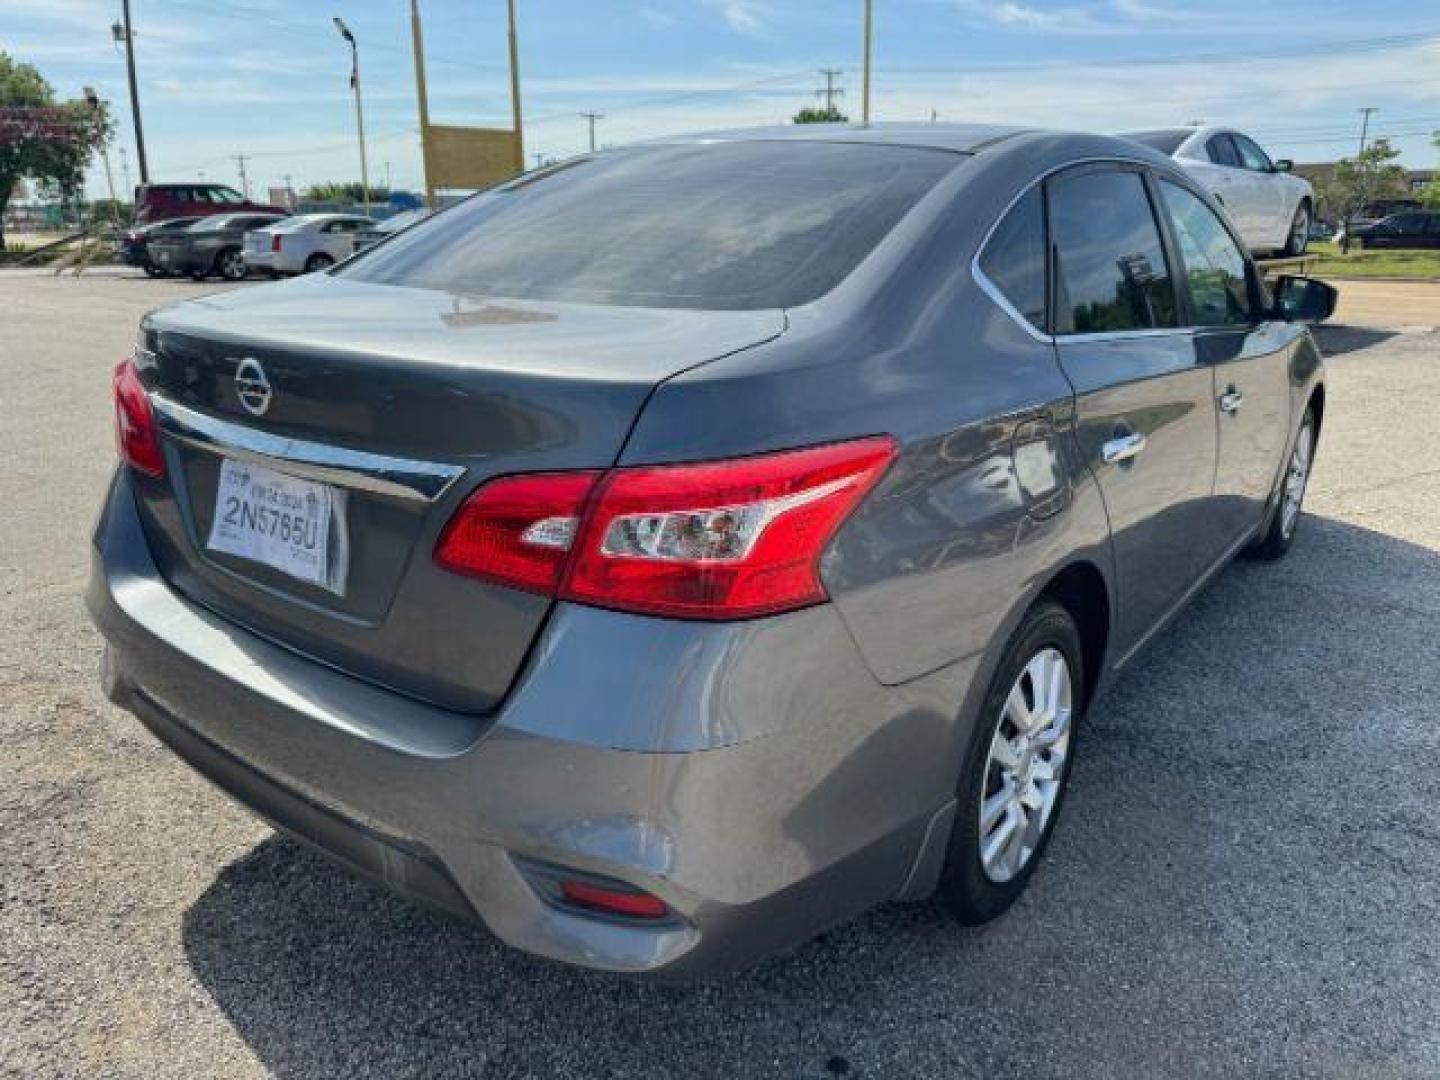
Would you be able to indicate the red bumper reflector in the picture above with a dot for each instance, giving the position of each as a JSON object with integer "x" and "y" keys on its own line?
{"x": 635, "y": 905}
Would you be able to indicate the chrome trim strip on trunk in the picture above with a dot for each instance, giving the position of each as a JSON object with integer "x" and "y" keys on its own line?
{"x": 401, "y": 478}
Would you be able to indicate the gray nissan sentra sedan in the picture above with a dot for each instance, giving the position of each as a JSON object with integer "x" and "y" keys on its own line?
{"x": 667, "y": 554}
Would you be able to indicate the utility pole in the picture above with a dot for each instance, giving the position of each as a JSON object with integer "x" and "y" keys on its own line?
{"x": 121, "y": 31}
{"x": 865, "y": 93}
{"x": 831, "y": 91}
{"x": 1365, "y": 123}
{"x": 388, "y": 186}
{"x": 420, "y": 93}
{"x": 289, "y": 193}
{"x": 515, "y": 92}
{"x": 359, "y": 112}
{"x": 240, "y": 160}
{"x": 592, "y": 117}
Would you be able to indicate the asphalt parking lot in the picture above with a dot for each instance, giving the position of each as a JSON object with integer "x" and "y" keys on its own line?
{"x": 1246, "y": 882}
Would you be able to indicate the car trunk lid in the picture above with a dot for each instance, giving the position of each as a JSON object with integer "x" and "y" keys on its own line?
{"x": 385, "y": 407}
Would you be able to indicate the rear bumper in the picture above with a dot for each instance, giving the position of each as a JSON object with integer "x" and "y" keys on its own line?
{"x": 270, "y": 262}
{"x": 754, "y": 776}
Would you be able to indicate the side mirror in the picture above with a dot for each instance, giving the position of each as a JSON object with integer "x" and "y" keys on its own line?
{"x": 1284, "y": 165}
{"x": 1303, "y": 299}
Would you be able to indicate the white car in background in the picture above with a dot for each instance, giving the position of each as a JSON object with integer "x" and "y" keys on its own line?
{"x": 1271, "y": 208}
{"x": 303, "y": 244}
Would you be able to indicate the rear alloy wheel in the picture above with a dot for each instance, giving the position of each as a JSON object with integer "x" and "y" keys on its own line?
{"x": 1299, "y": 238}
{"x": 317, "y": 262}
{"x": 230, "y": 264}
{"x": 1280, "y": 533}
{"x": 1009, "y": 796}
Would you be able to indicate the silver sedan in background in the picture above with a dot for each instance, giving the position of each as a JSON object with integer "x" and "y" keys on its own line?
{"x": 304, "y": 243}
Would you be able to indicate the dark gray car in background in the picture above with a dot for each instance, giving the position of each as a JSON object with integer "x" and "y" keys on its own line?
{"x": 211, "y": 246}
{"x": 672, "y": 552}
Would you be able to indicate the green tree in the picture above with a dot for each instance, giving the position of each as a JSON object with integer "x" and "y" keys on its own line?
{"x": 349, "y": 192}
{"x": 44, "y": 141}
{"x": 1369, "y": 176}
{"x": 1430, "y": 196}
{"x": 811, "y": 115}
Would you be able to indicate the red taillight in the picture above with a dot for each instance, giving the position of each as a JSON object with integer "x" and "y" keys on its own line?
{"x": 275, "y": 242}
{"x": 517, "y": 530}
{"x": 635, "y": 905}
{"x": 715, "y": 540}
{"x": 135, "y": 433}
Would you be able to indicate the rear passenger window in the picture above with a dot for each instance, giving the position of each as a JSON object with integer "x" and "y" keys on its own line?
{"x": 1214, "y": 266}
{"x": 1110, "y": 270}
{"x": 1222, "y": 151}
{"x": 1014, "y": 258}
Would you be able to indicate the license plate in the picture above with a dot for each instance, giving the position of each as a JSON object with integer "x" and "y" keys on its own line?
{"x": 295, "y": 526}
{"x": 163, "y": 256}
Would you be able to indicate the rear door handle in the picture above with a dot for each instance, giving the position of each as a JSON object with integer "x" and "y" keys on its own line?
{"x": 1231, "y": 400}
{"x": 1123, "y": 448}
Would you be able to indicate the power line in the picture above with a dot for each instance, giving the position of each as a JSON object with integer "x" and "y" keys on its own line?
{"x": 1151, "y": 59}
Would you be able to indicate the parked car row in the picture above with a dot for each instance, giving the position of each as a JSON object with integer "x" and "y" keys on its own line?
{"x": 232, "y": 246}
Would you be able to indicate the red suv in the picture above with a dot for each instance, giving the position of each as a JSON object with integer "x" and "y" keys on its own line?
{"x": 161, "y": 202}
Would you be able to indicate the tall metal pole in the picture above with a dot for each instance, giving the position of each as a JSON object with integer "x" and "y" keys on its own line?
{"x": 420, "y": 93}
{"x": 515, "y": 93}
{"x": 359, "y": 112}
{"x": 865, "y": 93}
{"x": 592, "y": 117}
{"x": 134, "y": 94}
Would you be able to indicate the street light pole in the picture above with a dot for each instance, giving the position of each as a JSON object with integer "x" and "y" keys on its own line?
{"x": 122, "y": 30}
{"x": 359, "y": 112}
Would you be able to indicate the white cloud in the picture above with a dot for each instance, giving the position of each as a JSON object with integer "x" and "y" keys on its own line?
{"x": 742, "y": 16}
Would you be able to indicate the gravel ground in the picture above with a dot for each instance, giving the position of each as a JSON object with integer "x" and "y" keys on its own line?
{"x": 1246, "y": 883}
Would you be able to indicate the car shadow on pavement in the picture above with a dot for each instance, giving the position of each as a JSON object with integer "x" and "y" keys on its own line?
{"x": 1337, "y": 340}
{"x": 1227, "y": 895}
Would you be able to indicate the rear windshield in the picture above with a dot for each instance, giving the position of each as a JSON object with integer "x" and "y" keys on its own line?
{"x": 1166, "y": 140}
{"x": 713, "y": 226}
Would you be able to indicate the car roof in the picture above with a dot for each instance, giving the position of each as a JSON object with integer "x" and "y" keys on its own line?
{"x": 960, "y": 138}
{"x": 221, "y": 221}
{"x": 319, "y": 218}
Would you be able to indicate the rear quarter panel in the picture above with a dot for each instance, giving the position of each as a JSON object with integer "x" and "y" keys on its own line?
{"x": 988, "y": 498}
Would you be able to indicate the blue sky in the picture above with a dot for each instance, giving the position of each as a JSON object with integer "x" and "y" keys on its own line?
{"x": 268, "y": 78}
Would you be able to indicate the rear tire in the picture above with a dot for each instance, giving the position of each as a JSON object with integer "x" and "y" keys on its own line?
{"x": 1013, "y": 780}
{"x": 1279, "y": 535}
{"x": 230, "y": 265}
{"x": 1299, "y": 238}
{"x": 317, "y": 262}
{"x": 151, "y": 270}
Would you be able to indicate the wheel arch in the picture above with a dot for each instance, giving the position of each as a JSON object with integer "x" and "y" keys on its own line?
{"x": 1080, "y": 588}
